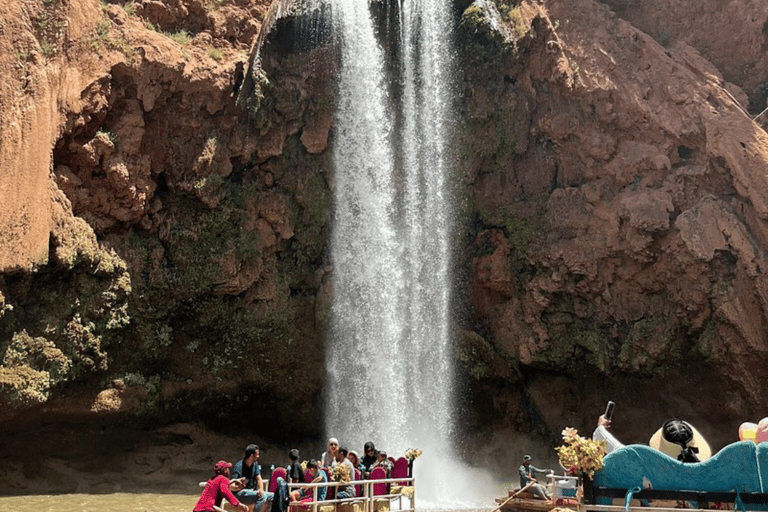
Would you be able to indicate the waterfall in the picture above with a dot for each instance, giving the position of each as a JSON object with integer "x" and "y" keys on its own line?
{"x": 368, "y": 277}
{"x": 389, "y": 360}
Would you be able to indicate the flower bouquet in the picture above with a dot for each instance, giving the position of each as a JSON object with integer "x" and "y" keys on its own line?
{"x": 340, "y": 473}
{"x": 580, "y": 456}
{"x": 412, "y": 454}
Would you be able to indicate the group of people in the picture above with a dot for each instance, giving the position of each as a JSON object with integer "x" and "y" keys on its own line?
{"x": 242, "y": 485}
{"x": 372, "y": 458}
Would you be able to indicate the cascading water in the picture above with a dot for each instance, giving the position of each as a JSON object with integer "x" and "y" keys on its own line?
{"x": 389, "y": 361}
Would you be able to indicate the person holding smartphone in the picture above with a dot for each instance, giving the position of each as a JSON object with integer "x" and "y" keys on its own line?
{"x": 601, "y": 432}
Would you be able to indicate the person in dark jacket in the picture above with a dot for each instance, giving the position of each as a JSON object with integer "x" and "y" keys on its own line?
{"x": 369, "y": 458}
{"x": 248, "y": 473}
{"x": 295, "y": 472}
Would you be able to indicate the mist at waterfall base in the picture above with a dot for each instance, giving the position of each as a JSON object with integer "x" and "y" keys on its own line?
{"x": 389, "y": 360}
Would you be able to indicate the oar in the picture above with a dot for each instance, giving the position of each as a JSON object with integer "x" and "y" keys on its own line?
{"x": 518, "y": 492}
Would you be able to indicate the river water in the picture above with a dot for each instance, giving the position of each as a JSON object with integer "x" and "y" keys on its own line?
{"x": 119, "y": 502}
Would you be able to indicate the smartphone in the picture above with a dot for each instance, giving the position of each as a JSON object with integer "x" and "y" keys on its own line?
{"x": 609, "y": 410}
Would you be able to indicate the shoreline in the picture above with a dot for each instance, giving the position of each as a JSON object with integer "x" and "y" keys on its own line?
{"x": 166, "y": 460}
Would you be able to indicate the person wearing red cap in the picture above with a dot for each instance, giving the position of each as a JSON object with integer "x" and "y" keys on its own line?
{"x": 216, "y": 489}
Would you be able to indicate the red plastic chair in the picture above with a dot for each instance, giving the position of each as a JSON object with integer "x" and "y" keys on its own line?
{"x": 358, "y": 488}
{"x": 400, "y": 470}
{"x": 331, "y": 489}
{"x": 379, "y": 473}
{"x": 277, "y": 473}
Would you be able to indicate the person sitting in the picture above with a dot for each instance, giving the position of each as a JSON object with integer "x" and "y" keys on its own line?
{"x": 328, "y": 458}
{"x": 216, "y": 489}
{"x": 526, "y": 471}
{"x": 680, "y": 440}
{"x": 383, "y": 462}
{"x": 345, "y": 491}
{"x": 295, "y": 472}
{"x": 248, "y": 475}
{"x": 369, "y": 458}
{"x": 601, "y": 434}
{"x": 318, "y": 476}
{"x": 355, "y": 460}
{"x": 677, "y": 438}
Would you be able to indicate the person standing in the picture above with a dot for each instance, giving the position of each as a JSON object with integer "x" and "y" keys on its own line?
{"x": 248, "y": 472}
{"x": 526, "y": 471}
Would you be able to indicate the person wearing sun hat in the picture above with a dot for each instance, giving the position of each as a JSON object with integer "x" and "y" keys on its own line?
{"x": 681, "y": 441}
{"x": 216, "y": 489}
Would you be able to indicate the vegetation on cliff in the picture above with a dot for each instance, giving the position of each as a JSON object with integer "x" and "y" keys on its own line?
{"x": 165, "y": 256}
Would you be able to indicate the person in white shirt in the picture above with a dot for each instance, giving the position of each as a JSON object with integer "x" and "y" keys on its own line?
{"x": 601, "y": 434}
{"x": 328, "y": 458}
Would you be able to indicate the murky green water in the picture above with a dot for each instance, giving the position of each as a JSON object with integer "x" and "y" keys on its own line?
{"x": 120, "y": 502}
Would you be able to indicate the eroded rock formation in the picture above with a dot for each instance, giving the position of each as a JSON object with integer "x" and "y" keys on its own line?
{"x": 166, "y": 203}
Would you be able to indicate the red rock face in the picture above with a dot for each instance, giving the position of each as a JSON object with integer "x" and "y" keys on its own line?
{"x": 613, "y": 244}
{"x": 622, "y": 211}
{"x": 731, "y": 36}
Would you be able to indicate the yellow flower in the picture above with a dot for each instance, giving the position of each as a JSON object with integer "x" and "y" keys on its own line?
{"x": 569, "y": 434}
{"x": 341, "y": 473}
{"x": 412, "y": 453}
{"x": 580, "y": 455}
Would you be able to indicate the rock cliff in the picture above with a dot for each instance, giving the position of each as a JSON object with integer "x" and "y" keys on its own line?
{"x": 166, "y": 202}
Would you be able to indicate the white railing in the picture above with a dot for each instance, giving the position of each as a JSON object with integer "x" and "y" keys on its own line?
{"x": 562, "y": 486}
{"x": 368, "y": 498}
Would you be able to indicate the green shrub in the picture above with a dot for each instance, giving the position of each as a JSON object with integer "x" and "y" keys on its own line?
{"x": 102, "y": 28}
{"x": 181, "y": 37}
{"x": 215, "y": 54}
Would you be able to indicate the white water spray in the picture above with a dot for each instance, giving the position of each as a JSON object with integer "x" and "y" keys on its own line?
{"x": 390, "y": 377}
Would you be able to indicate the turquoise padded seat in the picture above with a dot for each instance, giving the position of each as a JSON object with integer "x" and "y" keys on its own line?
{"x": 735, "y": 468}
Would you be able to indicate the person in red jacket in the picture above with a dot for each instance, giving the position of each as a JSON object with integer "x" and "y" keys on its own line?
{"x": 216, "y": 489}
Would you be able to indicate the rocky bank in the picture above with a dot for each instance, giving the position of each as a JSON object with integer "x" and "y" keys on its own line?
{"x": 166, "y": 195}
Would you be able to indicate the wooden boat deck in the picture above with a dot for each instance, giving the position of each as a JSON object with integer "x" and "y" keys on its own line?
{"x": 527, "y": 502}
